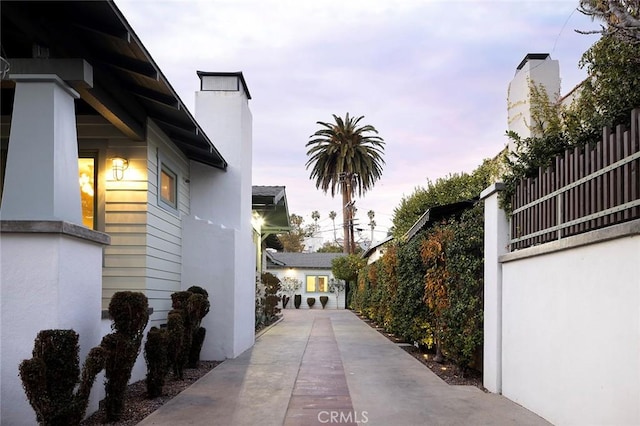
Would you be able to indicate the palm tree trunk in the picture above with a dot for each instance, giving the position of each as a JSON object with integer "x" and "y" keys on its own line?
{"x": 345, "y": 215}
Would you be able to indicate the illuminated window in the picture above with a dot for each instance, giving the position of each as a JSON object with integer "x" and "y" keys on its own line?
{"x": 168, "y": 187}
{"x": 87, "y": 180}
{"x": 317, "y": 283}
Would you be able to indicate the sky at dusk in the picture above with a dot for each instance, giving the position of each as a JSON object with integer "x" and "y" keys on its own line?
{"x": 430, "y": 76}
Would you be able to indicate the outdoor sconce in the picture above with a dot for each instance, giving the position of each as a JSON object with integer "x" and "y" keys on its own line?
{"x": 119, "y": 165}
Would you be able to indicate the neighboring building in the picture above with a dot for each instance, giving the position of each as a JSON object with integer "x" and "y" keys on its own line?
{"x": 270, "y": 217}
{"x": 314, "y": 272}
{"x": 435, "y": 214}
{"x": 159, "y": 207}
{"x": 376, "y": 251}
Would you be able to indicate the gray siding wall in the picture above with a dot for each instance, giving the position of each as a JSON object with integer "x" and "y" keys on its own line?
{"x": 122, "y": 205}
{"x": 146, "y": 239}
{"x": 164, "y": 226}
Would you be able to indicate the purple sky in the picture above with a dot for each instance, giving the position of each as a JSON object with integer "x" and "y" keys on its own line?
{"x": 431, "y": 76}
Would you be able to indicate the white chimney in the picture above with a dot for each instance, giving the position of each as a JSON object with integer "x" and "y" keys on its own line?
{"x": 535, "y": 68}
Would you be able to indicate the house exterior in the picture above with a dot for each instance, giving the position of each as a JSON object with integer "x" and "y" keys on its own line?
{"x": 314, "y": 272}
{"x": 108, "y": 183}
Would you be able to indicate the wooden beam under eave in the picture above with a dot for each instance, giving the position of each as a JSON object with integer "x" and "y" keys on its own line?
{"x": 107, "y": 107}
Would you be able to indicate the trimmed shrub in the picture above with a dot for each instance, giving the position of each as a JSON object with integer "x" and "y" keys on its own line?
{"x": 155, "y": 354}
{"x": 176, "y": 335}
{"x": 311, "y": 301}
{"x": 192, "y": 306}
{"x": 324, "y": 300}
{"x": 297, "y": 300}
{"x": 197, "y": 308}
{"x": 50, "y": 377}
{"x": 130, "y": 314}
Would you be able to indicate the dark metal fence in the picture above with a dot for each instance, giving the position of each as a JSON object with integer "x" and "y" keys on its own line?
{"x": 586, "y": 189}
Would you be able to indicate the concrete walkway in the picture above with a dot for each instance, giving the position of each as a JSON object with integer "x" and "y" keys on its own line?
{"x": 328, "y": 367}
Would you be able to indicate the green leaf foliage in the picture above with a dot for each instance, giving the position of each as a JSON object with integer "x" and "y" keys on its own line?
{"x": 604, "y": 99}
{"x": 453, "y": 188}
{"x": 345, "y": 147}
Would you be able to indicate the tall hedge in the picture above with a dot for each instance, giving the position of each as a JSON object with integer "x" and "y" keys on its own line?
{"x": 410, "y": 315}
{"x": 463, "y": 318}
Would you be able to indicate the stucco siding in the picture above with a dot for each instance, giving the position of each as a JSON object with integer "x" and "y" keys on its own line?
{"x": 562, "y": 312}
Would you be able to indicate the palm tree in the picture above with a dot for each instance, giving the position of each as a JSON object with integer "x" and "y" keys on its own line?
{"x": 346, "y": 156}
{"x": 372, "y": 223}
{"x": 332, "y": 216}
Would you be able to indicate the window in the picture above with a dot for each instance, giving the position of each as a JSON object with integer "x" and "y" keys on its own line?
{"x": 317, "y": 283}
{"x": 168, "y": 188}
{"x": 87, "y": 180}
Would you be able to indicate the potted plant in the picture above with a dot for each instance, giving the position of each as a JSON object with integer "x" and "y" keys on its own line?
{"x": 297, "y": 300}
{"x": 311, "y": 301}
{"x": 289, "y": 285}
{"x": 324, "y": 300}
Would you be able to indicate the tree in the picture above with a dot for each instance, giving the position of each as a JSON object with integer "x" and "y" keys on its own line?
{"x": 336, "y": 287}
{"x": 347, "y": 156}
{"x": 605, "y": 99}
{"x": 330, "y": 247}
{"x": 293, "y": 241}
{"x": 622, "y": 18}
{"x": 453, "y": 188}
{"x": 372, "y": 223}
{"x": 332, "y": 216}
{"x": 346, "y": 268}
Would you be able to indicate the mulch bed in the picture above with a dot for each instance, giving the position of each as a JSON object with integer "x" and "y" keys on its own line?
{"x": 446, "y": 370}
{"x": 138, "y": 406}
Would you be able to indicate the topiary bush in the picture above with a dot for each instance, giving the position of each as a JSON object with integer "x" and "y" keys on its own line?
{"x": 155, "y": 355}
{"x": 176, "y": 334}
{"x": 130, "y": 314}
{"x": 297, "y": 300}
{"x": 192, "y": 306}
{"x": 324, "y": 300}
{"x": 50, "y": 377}
{"x": 311, "y": 301}
{"x": 198, "y": 306}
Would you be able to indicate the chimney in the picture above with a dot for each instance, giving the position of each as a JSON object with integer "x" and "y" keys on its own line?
{"x": 535, "y": 68}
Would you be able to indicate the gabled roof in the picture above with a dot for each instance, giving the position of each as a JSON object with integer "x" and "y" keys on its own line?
{"x": 271, "y": 203}
{"x": 437, "y": 213}
{"x": 128, "y": 86}
{"x": 373, "y": 248}
{"x": 301, "y": 260}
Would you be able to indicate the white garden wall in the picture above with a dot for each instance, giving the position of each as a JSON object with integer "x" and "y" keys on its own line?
{"x": 571, "y": 333}
{"x": 562, "y": 322}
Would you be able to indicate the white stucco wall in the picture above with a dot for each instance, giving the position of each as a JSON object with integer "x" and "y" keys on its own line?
{"x": 47, "y": 281}
{"x": 208, "y": 261}
{"x": 223, "y": 198}
{"x": 571, "y": 333}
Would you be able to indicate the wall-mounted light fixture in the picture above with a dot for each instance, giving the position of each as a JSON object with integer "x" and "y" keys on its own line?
{"x": 119, "y": 165}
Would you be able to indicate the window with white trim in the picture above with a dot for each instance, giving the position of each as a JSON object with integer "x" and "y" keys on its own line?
{"x": 167, "y": 187}
{"x": 317, "y": 283}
